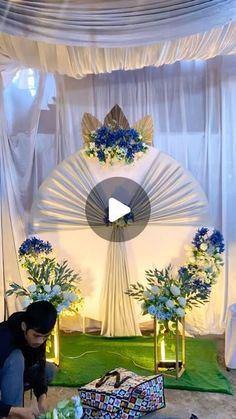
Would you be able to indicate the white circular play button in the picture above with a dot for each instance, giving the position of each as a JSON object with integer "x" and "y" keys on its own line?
{"x": 117, "y": 203}
{"x": 116, "y": 210}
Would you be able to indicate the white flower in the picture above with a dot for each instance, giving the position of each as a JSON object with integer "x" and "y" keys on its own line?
{"x": 170, "y": 304}
{"x": 202, "y": 275}
{"x": 55, "y": 415}
{"x": 163, "y": 299}
{"x": 201, "y": 264}
{"x": 56, "y": 289}
{"x": 203, "y": 246}
{"x": 147, "y": 294}
{"x": 182, "y": 301}
{"x": 66, "y": 295}
{"x": 210, "y": 249}
{"x": 32, "y": 288}
{"x": 154, "y": 290}
{"x": 139, "y": 154}
{"x": 107, "y": 152}
{"x": 207, "y": 281}
{"x": 72, "y": 297}
{"x": 174, "y": 290}
{"x": 25, "y": 302}
{"x": 92, "y": 146}
{"x": 79, "y": 412}
{"x": 47, "y": 288}
{"x": 180, "y": 312}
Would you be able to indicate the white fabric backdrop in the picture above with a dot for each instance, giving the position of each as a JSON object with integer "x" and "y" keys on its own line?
{"x": 193, "y": 105}
{"x": 175, "y": 199}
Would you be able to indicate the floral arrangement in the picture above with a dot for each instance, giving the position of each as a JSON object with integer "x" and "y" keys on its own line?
{"x": 163, "y": 298}
{"x": 66, "y": 409}
{"x": 167, "y": 297}
{"x": 120, "y": 222}
{"x": 34, "y": 247}
{"x": 203, "y": 265}
{"x": 114, "y": 143}
{"x": 48, "y": 279}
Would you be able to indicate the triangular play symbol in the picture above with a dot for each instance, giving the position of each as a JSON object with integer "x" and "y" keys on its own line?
{"x": 116, "y": 209}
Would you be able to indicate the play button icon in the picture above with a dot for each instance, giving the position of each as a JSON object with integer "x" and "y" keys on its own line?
{"x": 117, "y": 209}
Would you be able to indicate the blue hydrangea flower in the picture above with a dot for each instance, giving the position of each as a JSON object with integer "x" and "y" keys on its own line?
{"x": 34, "y": 245}
{"x": 202, "y": 231}
{"x": 198, "y": 238}
{"x": 200, "y": 286}
{"x": 101, "y": 155}
{"x": 152, "y": 310}
{"x": 130, "y": 153}
{"x": 132, "y": 133}
{"x": 183, "y": 271}
{"x": 122, "y": 143}
{"x": 163, "y": 315}
{"x": 217, "y": 240}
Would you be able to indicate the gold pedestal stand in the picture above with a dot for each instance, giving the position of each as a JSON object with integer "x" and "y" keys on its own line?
{"x": 54, "y": 355}
{"x": 176, "y": 365}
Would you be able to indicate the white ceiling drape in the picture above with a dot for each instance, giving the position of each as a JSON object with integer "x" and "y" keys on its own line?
{"x": 105, "y": 23}
{"x": 80, "y": 38}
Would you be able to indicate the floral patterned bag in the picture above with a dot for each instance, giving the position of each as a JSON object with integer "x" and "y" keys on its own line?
{"x": 122, "y": 394}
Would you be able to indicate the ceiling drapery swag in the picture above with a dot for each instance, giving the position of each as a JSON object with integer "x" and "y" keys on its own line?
{"x": 78, "y": 62}
{"x": 107, "y": 24}
{"x": 77, "y": 38}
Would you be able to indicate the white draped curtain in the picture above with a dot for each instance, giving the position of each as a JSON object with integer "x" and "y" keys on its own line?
{"x": 193, "y": 105}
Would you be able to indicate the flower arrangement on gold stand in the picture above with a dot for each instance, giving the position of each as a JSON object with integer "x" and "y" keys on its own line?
{"x": 167, "y": 297}
{"x": 48, "y": 280}
{"x": 165, "y": 301}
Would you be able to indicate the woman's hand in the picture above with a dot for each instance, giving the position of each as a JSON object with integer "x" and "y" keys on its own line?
{"x": 23, "y": 412}
{"x": 42, "y": 403}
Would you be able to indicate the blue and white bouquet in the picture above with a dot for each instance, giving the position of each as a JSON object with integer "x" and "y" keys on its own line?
{"x": 163, "y": 297}
{"x": 66, "y": 409}
{"x": 114, "y": 143}
{"x": 168, "y": 296}
{"x": 202, "y": 268}
{"x": 47, "y": 279}
{"x": 33, "y": 247}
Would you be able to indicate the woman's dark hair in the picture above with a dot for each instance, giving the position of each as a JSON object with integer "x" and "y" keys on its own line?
{"x": 40, "y": 316}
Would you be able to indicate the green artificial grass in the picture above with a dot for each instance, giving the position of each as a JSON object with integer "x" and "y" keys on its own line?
{"x": 86, "y": 357}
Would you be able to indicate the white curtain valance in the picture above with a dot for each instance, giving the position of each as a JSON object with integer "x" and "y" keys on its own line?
{"x": 106, "y": 24}
{"x": 78, "y": 62}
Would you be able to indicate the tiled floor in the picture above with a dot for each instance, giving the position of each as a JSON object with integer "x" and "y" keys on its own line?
{"x": 179, "y": 404}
